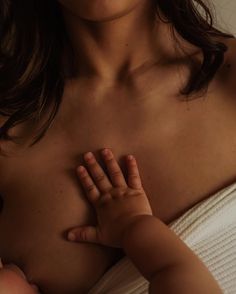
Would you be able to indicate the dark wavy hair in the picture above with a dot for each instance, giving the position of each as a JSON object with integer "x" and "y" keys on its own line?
{"x": 33, "y": 37}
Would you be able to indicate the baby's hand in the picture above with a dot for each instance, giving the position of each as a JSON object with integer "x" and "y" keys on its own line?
{"x": 116, "y": 202}
{"x": 13, "y": 281}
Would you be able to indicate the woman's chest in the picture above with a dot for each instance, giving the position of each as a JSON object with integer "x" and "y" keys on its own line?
{"x": 184, "y": 153}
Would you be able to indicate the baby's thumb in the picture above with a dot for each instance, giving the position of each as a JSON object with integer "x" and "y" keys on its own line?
{"x": 84, "y": 234}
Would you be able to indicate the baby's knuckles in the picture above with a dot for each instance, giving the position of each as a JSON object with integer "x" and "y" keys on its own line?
{"x": 115, "y": 209}
{"x": 123, "y": 207}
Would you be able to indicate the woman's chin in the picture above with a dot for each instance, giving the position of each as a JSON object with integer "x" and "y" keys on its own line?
{"x": 99, "y": 10}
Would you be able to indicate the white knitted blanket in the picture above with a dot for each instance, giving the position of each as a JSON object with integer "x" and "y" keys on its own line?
{"x": 208, "y": 228}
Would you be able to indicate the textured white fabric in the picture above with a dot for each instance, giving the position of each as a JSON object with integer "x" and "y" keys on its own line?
{"x": 208, "y": 228}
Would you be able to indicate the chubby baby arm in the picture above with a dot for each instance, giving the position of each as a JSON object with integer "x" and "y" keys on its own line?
{"x": 124, "y": 219}
{"x": 165, "y": 261}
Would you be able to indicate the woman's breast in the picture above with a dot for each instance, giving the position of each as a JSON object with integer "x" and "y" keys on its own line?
{"x": 179, "y": 163}
{"x": 42, "y": 199}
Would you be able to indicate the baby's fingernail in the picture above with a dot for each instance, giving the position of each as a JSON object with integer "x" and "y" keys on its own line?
{"x": 80, "y": 169}
{"x": 88, "y": 155}
{"x": 71, "y": 236}
{"x": 105, "y": 151}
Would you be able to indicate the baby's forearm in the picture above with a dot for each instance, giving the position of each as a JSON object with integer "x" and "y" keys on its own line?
{"x": 186, "y": 278}
{"x": 164, "y": 259}
{"x": 152, "y": 246}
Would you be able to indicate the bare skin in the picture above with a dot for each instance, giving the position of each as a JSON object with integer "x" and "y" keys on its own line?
{"x": 185, "y": 152}
{"x": 125, "y": 219}
{"x": 13, "y": 281}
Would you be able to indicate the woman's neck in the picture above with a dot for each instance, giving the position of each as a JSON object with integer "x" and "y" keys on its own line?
{"x": 115, "y": 48}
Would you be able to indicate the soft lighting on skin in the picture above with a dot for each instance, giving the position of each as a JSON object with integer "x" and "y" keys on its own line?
{"x": 100, "y": 10}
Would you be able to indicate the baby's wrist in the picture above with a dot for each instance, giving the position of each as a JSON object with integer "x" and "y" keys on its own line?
{"x": 134, "y": 228}
{"x": 163, "y": 249}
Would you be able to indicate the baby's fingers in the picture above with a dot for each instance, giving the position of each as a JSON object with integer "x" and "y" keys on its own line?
{"x": 91, "y": 189}
{"x": 134, "y": 180}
